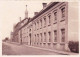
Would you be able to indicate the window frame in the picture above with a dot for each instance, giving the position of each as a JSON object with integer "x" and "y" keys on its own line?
{"x": 55, "y": 35}
{"x": 40, "y": 23}
{"x": 41, "y": 36}
{"x": 55, "y": 17}
{"x": 49, "y": 18}
{"x": 63, "y": 35}
{"x": 63, "y": 17}
{"x": 44, "y": 36}
{"x": 44, "y": 18}
{"x": 49, "y": 33}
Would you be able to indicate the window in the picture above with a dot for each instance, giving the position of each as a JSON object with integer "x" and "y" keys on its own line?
{"x": 40, "y": 23}
{"x": 44, "y": 22}
{"x": 49, "y": 19}
{"x": 41, "y": 36}
{"x": 37, "y": 37}
{"x": 63, "y": 12}
{"x": 49, "y": 36}
{"x": 55, "y": 35}
{"x": 37, "y": 25}
{"x": 44, "y": 37}
{"x": 55, "y": 15}
{"x": 30, "y": 30}
{"x": 63, "y": 35}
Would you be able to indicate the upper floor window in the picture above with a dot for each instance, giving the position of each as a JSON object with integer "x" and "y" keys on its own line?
{"x": 55, "y": 35}
{"x": 63, "y": 35}
{"x": 44, "y": 21}
{"x": 30, "y": 30}
{"x": 49, "y": 19}
{"x": 41, "y": 23}
{"x": 63, "y": 12}
{"x": 37, "y": 25}
{"x": 55, "y": 15}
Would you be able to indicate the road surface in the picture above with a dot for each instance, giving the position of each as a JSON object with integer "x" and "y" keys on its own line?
{"x": 14, "y": 49}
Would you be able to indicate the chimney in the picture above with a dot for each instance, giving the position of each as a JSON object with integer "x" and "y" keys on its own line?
{"x": 35, "y": 13}
{"x": 20, "y": 19}
{"x": 26, "y": 6}
{"x": 44, "y": 5}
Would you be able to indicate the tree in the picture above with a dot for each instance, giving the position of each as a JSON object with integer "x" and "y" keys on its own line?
{"x": 6, "y": 39}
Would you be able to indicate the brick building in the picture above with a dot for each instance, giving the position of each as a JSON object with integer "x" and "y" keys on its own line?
{"x": 52, "y": 27}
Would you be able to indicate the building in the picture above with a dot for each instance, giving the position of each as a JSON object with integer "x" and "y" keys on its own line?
{"x": 11, "y": 36}
{"x": 52, "y": 27}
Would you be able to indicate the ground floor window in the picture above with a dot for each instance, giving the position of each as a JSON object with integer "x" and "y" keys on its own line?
{"x": 44, "y": 37}
{"x": 37, "y": 37}
{"x": 49, "y": 36}
{"x": 62, "y": 35}
{"x": 55, "y": 35}
{"x": 41, "y": 36}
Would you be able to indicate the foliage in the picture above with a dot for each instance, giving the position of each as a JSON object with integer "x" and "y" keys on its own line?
{"x": 74, "y": 46}
{"x": 6, "y": 39}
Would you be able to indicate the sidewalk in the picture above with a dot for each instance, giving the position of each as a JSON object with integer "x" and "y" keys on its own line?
{"x": 14, "y": 43}
{"x": 56, "y": 51}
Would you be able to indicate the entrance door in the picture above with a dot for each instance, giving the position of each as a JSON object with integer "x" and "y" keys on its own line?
{"x": 30, "y": 38}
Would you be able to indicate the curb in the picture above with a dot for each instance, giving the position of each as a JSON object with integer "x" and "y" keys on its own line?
{"x": 59, "y": 52}
{"x": 56, "y": 51}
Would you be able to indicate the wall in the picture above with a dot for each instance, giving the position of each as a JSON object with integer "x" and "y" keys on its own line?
{"x": 73, "y": 21}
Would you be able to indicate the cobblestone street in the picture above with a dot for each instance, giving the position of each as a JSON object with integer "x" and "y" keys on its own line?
{"x": 13, "y": 49}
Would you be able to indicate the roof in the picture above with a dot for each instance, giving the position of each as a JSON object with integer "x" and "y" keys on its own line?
{"x": 50, "y": 5}
{"x": 45, "y": 9}
{"x": 20, "y": 22}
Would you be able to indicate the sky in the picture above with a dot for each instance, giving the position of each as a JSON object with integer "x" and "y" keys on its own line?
{"x": 10, "y": 11}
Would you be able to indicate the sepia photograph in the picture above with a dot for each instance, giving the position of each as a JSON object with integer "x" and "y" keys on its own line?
{"x": 39, "y": 27}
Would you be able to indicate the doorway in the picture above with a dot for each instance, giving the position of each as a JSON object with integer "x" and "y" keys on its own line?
{"x": 30, "y": 38}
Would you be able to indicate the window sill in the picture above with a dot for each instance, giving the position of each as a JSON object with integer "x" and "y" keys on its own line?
{"x": 49, "y": 24}
{"x": 55, "y": 43}
{"x": 62, "y": 43}
{"x": 54, "y": 22}
{"x": 62, "y": 20}
{"x": 49, "y": 42}
{"x": 44, "y": 26}
{"x": 44, "y": 42}
{"x": 40, "y": 43}
{"x": 40, "y": 28}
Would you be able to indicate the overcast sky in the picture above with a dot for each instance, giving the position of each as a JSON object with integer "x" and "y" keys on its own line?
{"x": 10, "y": 11}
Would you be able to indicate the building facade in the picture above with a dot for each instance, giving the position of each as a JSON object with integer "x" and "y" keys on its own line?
{"x": 52, "y": 27}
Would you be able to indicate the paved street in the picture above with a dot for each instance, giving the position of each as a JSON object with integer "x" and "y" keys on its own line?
{"x": 13, "y": 49}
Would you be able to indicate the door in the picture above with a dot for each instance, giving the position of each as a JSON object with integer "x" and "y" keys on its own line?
{"x": 30, "y": 38}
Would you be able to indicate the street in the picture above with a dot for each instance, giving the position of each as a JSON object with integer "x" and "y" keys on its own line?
{"x": 14, "y": 49}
